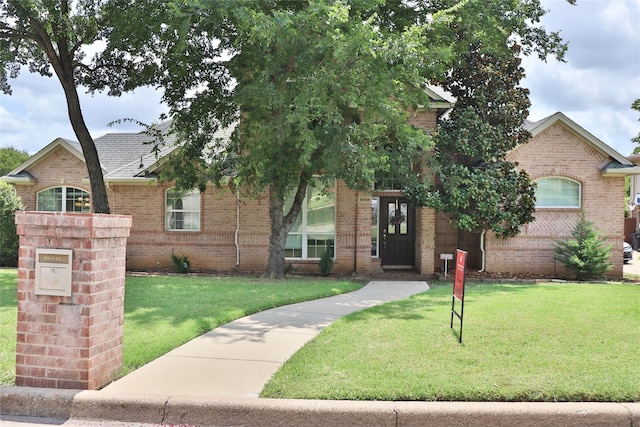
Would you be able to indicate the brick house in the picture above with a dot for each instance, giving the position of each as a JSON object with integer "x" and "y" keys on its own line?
{"x": 368, "y": 232}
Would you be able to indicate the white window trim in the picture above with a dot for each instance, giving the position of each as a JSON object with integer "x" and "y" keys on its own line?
{"x": 377, "y": 255}
{"x": 167, "y": 213}
{"x": 564, "y": 178}
{"x": 64, "y": 197}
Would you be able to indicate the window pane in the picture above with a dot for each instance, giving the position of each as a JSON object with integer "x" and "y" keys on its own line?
{"x": 320, "y": 212}
{"x": 557, "y": 192}
{"x": 64, "y": 199}
{"x": 293, "y": 247}
{"x": 314, "y": 229}
{"x": 182, "y": 210}
{"x": 374, "y": 227}
{"x": 391, "y": 227}
{"x": 403, "y": 224}
{"x": 77, "y": 200}
{"x": 50, "y": 200}
{"x": 318, "y": 244}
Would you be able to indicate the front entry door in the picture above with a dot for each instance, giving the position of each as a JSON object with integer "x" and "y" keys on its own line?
{"x": 397, "y": 223}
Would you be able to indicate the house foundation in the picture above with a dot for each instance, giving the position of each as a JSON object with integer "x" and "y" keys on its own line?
{"x": 70, "y": 324}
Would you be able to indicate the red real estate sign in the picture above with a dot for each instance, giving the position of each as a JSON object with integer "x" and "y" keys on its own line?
{"x": 458, "y": 288}
{"x": 458, "y": 282}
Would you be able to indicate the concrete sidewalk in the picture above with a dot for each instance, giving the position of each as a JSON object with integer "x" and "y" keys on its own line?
{"x": 237, "y": 359}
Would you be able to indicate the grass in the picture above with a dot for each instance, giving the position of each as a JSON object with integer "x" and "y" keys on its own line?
{"x": 163, "y": 312}
{"x": 8, "y": 321}
{"x": 546, "y": 342}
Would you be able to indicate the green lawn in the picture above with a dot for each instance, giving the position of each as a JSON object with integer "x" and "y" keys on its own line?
{"x": 546, "y": 342}
{"x": 163, "y": 312}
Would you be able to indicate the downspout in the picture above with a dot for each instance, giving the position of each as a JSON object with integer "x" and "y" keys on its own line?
{"x": 482, "y": 250}
{"x": 237, "y": 229}
{"x": 355, "y": 246}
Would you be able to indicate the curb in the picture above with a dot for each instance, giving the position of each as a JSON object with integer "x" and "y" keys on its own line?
{"x": 172, "y": 410}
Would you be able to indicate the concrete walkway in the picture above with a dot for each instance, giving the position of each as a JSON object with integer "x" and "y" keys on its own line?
{"x": 239, "y": 358}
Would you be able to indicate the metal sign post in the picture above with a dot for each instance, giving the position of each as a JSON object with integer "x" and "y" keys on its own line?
{"x": 458, "y": 288}
{"x": 446, "y": 258}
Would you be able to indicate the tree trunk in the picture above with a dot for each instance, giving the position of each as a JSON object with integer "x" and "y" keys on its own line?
{"x": 277, "y": 239}
{"x": 64, "y": 71}
{"x": 62, "y": 60}
{"x": 280, "y": 226}
{"x": 99, "y": 197}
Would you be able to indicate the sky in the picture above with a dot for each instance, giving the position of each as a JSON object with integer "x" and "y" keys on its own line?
{"x": 595, "y": 87}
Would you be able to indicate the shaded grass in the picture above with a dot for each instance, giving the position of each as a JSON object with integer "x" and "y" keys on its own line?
{"x": 163, "y": 312}
{"x": 548, "y": 342}
{"x": 8, "y": 321}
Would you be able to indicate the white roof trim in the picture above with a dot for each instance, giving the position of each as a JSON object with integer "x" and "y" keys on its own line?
{"x": 21, "y": 180}
{"x": 547, "y": 122}
{"x": 625, "y": 171}
{"x": 58, "y": 142}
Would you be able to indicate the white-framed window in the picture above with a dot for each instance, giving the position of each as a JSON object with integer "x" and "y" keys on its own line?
{"x": 315, "y": 228}
{"x": 63, "y": 199}
{"x": 558, "y": 192}
{"x": 375, "y": 220}
{"x": 182, "y": 210}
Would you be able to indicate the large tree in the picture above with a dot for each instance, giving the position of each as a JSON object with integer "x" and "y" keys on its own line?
{"x": 318, "y": 87}
{"x": 322, "y": 88}
{"x": 52, "y": 35}
{"x": 474, "y": 184}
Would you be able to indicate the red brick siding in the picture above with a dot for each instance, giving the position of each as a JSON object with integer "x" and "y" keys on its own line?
{"x": 602, "y": 202}
{"x": 76, "y": 341}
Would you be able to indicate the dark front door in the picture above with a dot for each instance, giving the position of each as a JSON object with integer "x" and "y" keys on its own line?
{"x": 397, "y": 223}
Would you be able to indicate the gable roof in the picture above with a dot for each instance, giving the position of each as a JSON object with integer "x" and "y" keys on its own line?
{"x": 616, "y": 165}
{"x": 118, "y": 152}
{"x": 19, "y": 174}
{"x": 124, "y": 157}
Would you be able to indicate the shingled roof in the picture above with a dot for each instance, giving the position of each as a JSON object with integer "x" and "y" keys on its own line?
{"x": 123, "y": 156}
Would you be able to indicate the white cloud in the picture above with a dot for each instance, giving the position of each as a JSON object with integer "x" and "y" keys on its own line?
{"x": 601, "y": 76}
{"x": 36, "y": 113}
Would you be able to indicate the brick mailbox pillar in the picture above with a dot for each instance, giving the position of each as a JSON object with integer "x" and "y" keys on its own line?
{"x": 70, "y": 337}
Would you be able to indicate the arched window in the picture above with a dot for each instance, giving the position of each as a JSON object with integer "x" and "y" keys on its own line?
{"x": 64, "y": 199}
{"x": 558, "y": 192}
{"x": 182, "y": 210}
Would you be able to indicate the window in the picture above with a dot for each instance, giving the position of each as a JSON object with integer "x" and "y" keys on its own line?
{"x": 314, "y": 230}
{"x": 558, "y": 192}
{"x": 375, "y": 216}
{"x": 182, "y": 210}
{"x": 64, "y": 199}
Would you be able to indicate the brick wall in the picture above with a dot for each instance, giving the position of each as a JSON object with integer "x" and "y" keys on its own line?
{"x": 602, "y": 203}
{"x": 72, "y": 342}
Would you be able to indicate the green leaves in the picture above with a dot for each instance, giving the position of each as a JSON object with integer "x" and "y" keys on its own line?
{"x": 476, "y": 186}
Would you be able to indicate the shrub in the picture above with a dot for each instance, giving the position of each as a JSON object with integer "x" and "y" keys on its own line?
{"x": 9, "y": 243}
{"x": 326, "y": 262}
{"x": 180, "y": 263}
{"x": 584, "y": 254}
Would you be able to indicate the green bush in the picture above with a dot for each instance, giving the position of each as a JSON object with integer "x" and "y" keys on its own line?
{"x": 9, "y": 204}
{"x": 326, "y": 262}
{"x": 181, "y": 263}
{"x": 584, "y": 254}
